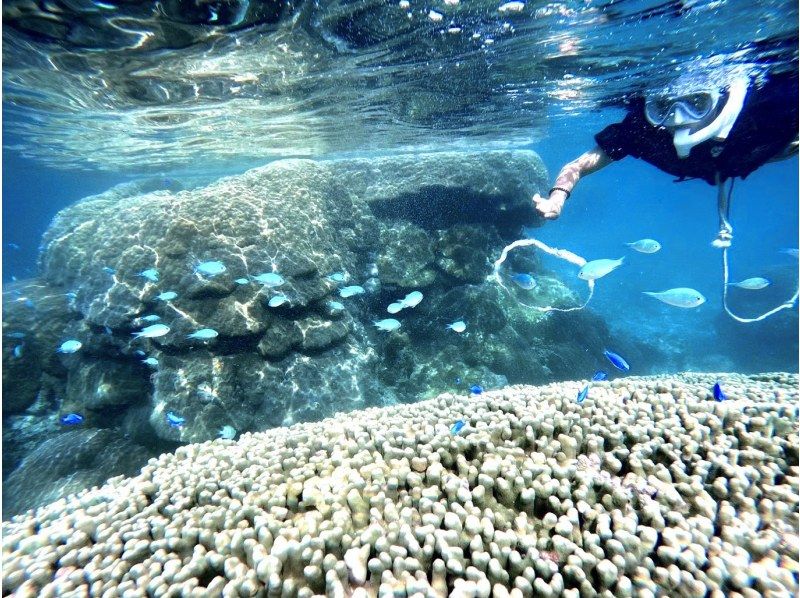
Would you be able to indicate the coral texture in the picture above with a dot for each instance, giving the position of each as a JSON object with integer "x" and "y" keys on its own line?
{"x": 649, "y": 487}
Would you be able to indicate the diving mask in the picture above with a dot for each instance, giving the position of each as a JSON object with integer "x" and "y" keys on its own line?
{"x": 684, "y": 110}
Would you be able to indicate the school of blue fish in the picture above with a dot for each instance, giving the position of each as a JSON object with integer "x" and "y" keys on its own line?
{"x": 683, "y": 297}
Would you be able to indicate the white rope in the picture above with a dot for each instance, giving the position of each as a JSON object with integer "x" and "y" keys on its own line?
{"x": 562, "y": 254}
{"x": 723, "y": 206}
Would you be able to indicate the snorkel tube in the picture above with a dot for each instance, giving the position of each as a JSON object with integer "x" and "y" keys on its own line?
{"x": 721, "y": 126}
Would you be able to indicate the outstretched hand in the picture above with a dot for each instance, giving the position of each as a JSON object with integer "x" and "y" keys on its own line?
{"x": 550, "y": 208}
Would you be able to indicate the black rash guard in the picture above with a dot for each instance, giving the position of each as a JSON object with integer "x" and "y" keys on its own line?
{"x": 766, "y": 126}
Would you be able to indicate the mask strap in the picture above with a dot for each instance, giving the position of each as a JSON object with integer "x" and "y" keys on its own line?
{"x": 723, "y": 241}
{"x": 562, "y": 254}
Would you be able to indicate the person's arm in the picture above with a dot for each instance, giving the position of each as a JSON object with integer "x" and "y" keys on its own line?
{"x": 570, "y": 174}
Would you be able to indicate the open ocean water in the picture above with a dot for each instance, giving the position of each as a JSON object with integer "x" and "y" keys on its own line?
{"x": 259, "y": 338}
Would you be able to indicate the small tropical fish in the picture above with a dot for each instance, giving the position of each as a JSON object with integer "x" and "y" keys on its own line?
{"x": 108, "y": 270}
{"x": 751, "y": 284}
{"x": 598, "y": 268}
{"x": 412, "y": 299}
{"x": 167, "y": 296}
{"x": 599, "y": 376}
{"x": 395, "y": 307}
{"x": 350, "y": 291}
{"x": 513, "y": 6}
{"x": 645, "y": 245}
{"x": 140, "y": 353}
{"x": 476, "y": 389}
{"x": 458, "y": 380}
{"x": 70, "y": 346}
{"x": 175, "y": 421}
{"x": 211, "y": 268}
{"x": 794, "y": 252}
{"x": 719, "y": 395}
{"x": 337, "y": 277}
{"x": 72, "y": 295}
{"x": 108, "y": 331}
{"x": 458, "y": 326}
{"x": 153, "y": 331}
{"x": 524, "y": 281}
{"x": 13, "y": 246}
{"x": 203, "y": 334}
{"x": 71, "y": 419}
{"x": 227, "y": 432}
{"x": 270, "y": 279}
{"x": 679, "y": 297}
{"x": 617, "y": 361}
{"x": 241, "y": 281}
{"x": 277, "y": 300}
{"x": 387, "y": 325}
{"x": 150, "y": 318}
{"x": 335, "y": 306}
{"x": 16, "y": 335}
{"x": 151, "y": 361}
{"x": 150, "y": 274}
{"x": 17, "y": 351}
{"x": 583, "y": 394}
{"x": 457, "y": 427}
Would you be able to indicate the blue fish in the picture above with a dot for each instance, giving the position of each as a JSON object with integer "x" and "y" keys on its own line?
{"x": 476, "y": 389}
{"x": 524, "y": 281}
{"x": 72, "y": 295}
{"x": 599, "y": 376}
{"x": 583, "y": 394}
{"x": 175, "y": 421}
{"x": 17, "y": 351}
{"x": 242, "y": 281}
{"x": 617, "y": 361}
{"x": 203, "y": 334}
{"x": 71, "y": 419}
{"x": 150, "y": 274}
{"x": 457, "y": 427}
{"x": 211, "y": 268}
{"x": 13, "y": 246}
{"x": 458, "y": 380}
{"x": 167, "y": 296}
{"x": 719, "y": 394}
{"x": 16, "y": 335}
{"x": 151, "y": 361}
{"x": 150, "y": 318}
{"x": 337, "y": 277}
{"x": 70, "y": 346}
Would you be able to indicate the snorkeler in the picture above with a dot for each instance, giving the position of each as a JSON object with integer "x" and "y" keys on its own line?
{"x": 714, "y": 126}
{"x": 711, "y": 124}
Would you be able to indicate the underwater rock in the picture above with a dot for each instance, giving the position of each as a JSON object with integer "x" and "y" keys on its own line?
{"x": 582, "y": 499}
{"x": 440, "y": 190}
{"x": 406, "y": 256}
{"x": 35, "y": 316}
{"x": 427, "y": 221}
{"x": 68, "y": 462}
{"x": 104, "y": 385}
{"x": 461, "y": 252}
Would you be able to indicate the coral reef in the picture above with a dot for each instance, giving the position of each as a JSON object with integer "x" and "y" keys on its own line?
{"x": 650, "y": 487}
{"x": 116, "y": 254}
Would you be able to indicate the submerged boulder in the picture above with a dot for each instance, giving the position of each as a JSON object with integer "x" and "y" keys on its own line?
{"x": 224, "y": 305}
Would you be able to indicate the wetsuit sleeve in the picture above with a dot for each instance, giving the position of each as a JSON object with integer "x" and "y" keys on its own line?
{"x": 615, "y": 139}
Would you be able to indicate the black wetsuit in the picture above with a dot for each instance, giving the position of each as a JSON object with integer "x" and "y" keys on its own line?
{"x": 765, "y": 127}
